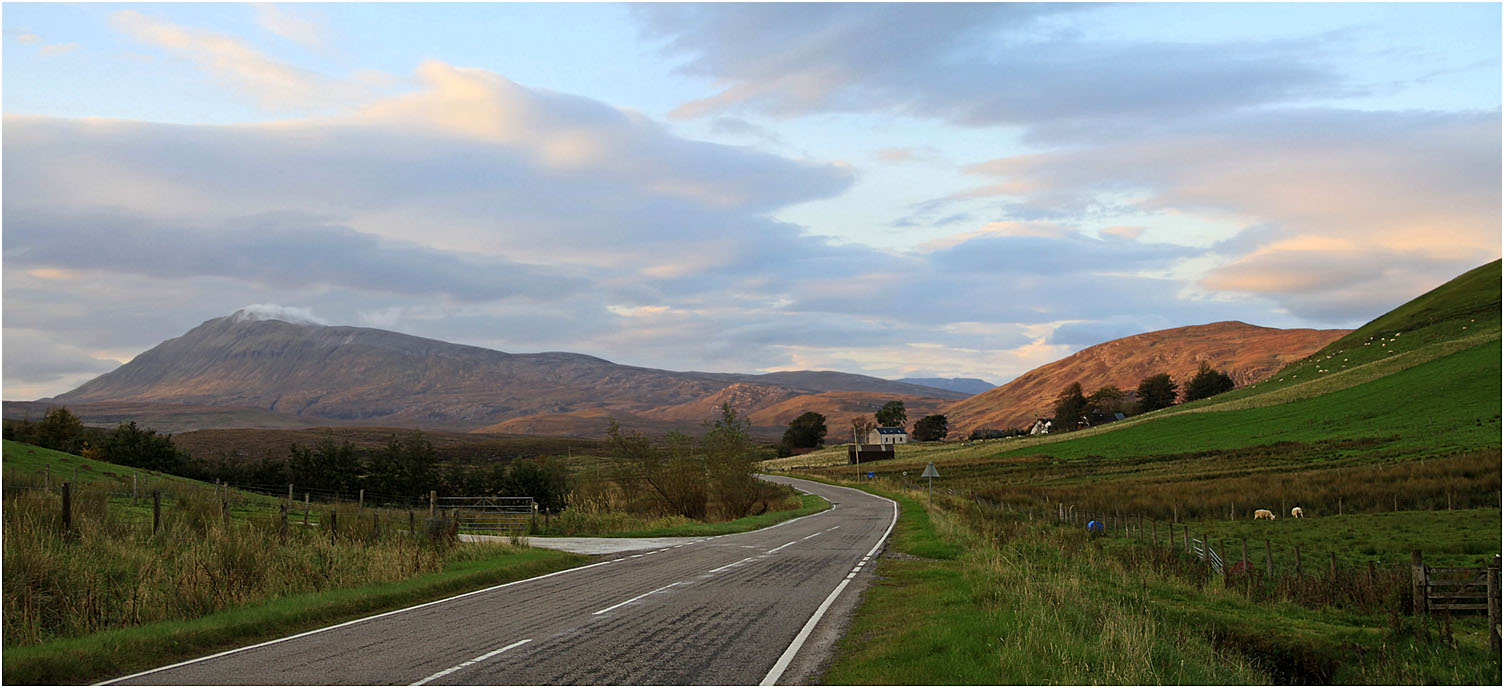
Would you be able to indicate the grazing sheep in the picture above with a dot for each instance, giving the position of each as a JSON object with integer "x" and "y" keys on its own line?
{"x": 1263, "y": 513}
{"x": 1297, "y": 513}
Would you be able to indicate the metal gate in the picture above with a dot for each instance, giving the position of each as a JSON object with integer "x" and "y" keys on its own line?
{"x": 492, "y": 514}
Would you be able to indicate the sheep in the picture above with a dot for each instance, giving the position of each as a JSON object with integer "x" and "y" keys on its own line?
{"x": 1263, "y": 514}
{"x": 1296, "y": 512}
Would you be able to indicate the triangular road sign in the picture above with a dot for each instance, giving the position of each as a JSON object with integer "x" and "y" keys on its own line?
{"x": 930, "y": 472}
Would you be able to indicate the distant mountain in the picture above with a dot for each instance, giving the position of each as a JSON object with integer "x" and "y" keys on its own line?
{"x": 964, "y": 385}
{"x": 1247, "y": 353}
{"x": 367, "y": 376}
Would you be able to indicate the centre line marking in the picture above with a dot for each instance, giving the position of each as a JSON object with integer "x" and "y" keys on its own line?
{"x": 618, "y": 604}
{"x": 734, "y": 563}
{"x": 786, "y": 544}
{"x": 481, "y": 658}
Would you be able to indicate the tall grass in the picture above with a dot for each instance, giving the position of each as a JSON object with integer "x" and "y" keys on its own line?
{"x": 111, "y": 571}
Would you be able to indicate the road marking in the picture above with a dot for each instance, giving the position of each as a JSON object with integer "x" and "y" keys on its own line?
{"x": 788, "y": 655}
{"x": 351, "y": 623}
{"x": 618, "y": 604}
{"x": 481, "y": 658}
{"x": 734, "y": 563}
{"x": 786, "y": 544}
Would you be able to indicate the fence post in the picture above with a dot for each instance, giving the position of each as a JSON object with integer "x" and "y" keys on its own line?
{"x": 1187, "y": 535}
{"x": 1339, "y": 506}
{"x": 289, "y": 496}
{"x": 135, "y": 489}
{"x": 67, "y": 508}
{"x": 1297, "y": 561}
{"x": 1333, "y": 558}
{"x": 362, "y": 497}
{"x": 1268, "y": 559}
{"x": 433, "y": 500}
{"x": 282, "y": 531}
{"x": 1370, "y": 573}
{"x": 1418, "y": 583}
{"x": 305, "y": 508}
{"x": 411, "y": 523}
{"x": 333, "y": 523}
{"x": 48, "y": 482}
{"x": 1225, "y": 568}
{"x": 156, "y": 511}
{"x": 1493, "y": 606}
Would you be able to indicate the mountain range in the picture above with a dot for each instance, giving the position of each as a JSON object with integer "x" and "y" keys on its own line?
{"x": 247, "y": 370}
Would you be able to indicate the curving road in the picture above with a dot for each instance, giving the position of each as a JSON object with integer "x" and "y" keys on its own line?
{"x": 736, "y": 609}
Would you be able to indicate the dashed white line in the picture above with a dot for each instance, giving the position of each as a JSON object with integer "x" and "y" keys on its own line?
{"x": 481, "y": 658}
{"x": 786, "y": 544}
{"x": 734, "y": 563}
{"x": 618, "y": 604}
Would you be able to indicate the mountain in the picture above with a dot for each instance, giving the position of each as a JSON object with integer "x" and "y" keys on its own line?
{"x": 1247, "y": 353}
{"x": 367, "y": 376}
{"x": 964, "y": 385}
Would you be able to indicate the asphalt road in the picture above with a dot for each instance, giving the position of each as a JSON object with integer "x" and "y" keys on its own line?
{"x": 729, "y": 610}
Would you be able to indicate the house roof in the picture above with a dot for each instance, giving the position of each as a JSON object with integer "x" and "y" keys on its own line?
{"x": 890, "y": 430}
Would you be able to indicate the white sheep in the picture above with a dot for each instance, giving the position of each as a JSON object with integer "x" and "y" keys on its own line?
{"x": 1296, "y": 512}
{"x": 1263, "y": 514}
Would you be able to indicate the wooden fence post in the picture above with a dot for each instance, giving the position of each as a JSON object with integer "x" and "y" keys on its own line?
{"x": 1370, "y": 573}
{"x": 433, "y": 500}
{"x": 1493, "y": 606}
{"x": 67, "y": 508}
{"x": 362, "y": 497}
{"x": 156, "y": 511}
{"x": 282, "y": 530}
{"x": 1268, "y": 559}
{"x": 1418, "y": 583}
{"x": 48, "y": 479}
{"x": 1333, "y": 558}
{"x": 289, "y": 496}
{"x": 333, "y": 523}
{"x": 1187, "y": 534}
{"x": 1339, "y": 506}
{"x": 411, "y": 523}
{"x": 1297, "y": 561}
{"x": 305, "y": 508}
{"x": 135, "y": 489}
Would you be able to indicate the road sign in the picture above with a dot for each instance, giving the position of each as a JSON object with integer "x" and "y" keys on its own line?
{"x": 870, "y": 474}
{"x": 930, "y": 472}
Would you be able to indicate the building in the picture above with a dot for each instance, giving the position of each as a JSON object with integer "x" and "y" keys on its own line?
{"x": 888, "y": 435}
{"x": 1042, "y": 426}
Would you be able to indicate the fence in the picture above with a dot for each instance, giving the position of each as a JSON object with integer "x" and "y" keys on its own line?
{"x": 510, "y": 514}
{"x": 1457, "y": 590}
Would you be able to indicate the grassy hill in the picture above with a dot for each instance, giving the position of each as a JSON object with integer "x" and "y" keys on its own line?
{"x": 1388, "y": 438}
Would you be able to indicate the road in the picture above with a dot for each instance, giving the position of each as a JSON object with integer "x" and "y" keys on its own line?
{"x": 729, "y": 610}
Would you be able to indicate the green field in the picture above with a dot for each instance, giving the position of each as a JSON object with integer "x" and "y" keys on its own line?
{"x": 1389, "y": 439}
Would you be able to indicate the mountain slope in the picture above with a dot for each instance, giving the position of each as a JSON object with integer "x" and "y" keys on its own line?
{"x": 1247, "y": 353}
{"x": 371, "y": 376}
{"x": 965, "y": 385}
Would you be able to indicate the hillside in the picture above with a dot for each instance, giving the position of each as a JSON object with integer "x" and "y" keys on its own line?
{"x": 349, "y": 375}
{"x": 1247, "y": 353}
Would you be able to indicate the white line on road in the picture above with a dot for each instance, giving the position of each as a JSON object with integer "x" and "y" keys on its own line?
{"x": 481, "y": 658}
{"x": 786, "y": 544}
{"x": 788, "y": 655}
{"x": 353, "y": 622}
{"x": 618, "y": 604}
{"x": 734, "y": 563}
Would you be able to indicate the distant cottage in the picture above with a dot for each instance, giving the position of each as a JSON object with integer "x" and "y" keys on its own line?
{"x": 1042, "y": 426}
{"x": 888, "y": 435}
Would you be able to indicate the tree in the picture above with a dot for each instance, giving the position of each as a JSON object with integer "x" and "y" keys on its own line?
{"x": 1207, "y": 383}
{"x": 405, "y": 467}
{"x": 1156, "y": 392}
{"x": 670, "y": 473}
{"x": 931, "y": 428}
{"x": 59, "y": 429}
{"x": 1070, "y": 406}
{"x": 129, "y": 445}
{"x": 545, "y": 480}
{"x": 861, "y": 426}
{"x": 892, "y": 414}
{"x": 1107, "y": 401}
{"x": 806, "y": 431}
{"x": 731, "y": 461}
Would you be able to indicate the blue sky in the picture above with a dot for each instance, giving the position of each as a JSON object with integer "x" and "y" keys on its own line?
{"x": 898, "y": 190}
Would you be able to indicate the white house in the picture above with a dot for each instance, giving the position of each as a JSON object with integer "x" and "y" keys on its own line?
{"x": 1042, "y": 426}
{"x": 888, "y": 435}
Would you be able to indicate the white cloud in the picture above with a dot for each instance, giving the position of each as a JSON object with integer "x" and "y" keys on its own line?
{"x": 291, "y": 24}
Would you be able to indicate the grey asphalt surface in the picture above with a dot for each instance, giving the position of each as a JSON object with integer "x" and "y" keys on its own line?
{"x": 718, "y": 610}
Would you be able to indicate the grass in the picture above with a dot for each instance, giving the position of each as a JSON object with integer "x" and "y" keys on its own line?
{"x": 1026, "y": 601}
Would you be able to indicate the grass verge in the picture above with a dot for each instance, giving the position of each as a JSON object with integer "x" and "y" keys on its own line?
{"x": 118, "y": 652}
{"x": 808, "y": 504}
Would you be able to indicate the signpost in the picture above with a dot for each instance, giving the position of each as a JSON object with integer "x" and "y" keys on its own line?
{"x": 931, "y": 473}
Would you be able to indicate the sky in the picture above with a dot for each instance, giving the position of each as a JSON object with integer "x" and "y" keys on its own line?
{"x": 899, "y": 190}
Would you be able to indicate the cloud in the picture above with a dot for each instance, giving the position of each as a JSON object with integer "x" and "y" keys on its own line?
{"x": 907, "y": 154}
{"x": 1330, "y": 198}
{"x": 32, "y": 358}
{"x": 289, "y": 24}
{"x": 272, "y": 84}
{"x": 973, "y": 64}
{"x": 57, "y": 49}
{"x": 272, "y": 311}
